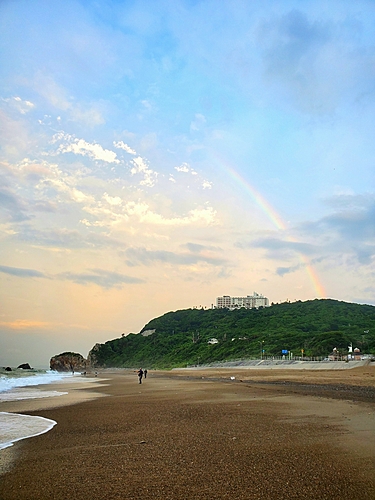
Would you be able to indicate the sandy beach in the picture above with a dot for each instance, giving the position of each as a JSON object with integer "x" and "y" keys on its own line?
{"x": 200, "y": 434}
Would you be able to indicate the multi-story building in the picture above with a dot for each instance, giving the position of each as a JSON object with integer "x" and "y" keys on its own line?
{"x": 249, "y": 302}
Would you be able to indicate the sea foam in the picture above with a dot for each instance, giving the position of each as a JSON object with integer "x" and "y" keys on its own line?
{"x": 19, "y": 385}
{"x": 14, "y": 427}
{"x": 25, "y": 378}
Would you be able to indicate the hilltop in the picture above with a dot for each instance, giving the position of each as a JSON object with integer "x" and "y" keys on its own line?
{"x": 199, "y": 336}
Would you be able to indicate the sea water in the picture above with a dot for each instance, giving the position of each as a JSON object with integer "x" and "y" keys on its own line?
{"x": 18, "y": 385}
{"x": 14, "y": 427}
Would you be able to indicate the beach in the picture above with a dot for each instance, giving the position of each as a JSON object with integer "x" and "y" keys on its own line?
{"x": 200, "y": 434}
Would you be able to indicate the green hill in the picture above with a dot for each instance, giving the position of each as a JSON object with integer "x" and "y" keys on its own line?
{"x": 181, "y": 338}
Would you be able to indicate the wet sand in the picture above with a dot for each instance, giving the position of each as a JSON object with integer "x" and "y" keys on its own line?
{"x": 201, "y": 435}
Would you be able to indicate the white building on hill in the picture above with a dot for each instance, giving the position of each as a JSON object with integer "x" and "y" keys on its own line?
{"x": 250, "y": 302}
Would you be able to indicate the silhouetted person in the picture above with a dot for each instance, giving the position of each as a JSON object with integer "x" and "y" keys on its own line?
{"x": 145, "y": 373}
{"x": 140, "y": 375}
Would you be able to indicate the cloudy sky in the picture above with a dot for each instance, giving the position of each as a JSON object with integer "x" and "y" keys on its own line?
{"x": 156, "y": 155}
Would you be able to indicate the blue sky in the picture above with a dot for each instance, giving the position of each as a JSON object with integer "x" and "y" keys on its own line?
{"x": 156, "y": 155}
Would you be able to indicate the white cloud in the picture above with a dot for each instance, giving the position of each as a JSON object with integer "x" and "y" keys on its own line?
{"x": 81, "y": 147}
{"x": 106, "y": 216}
{"x": 207, "y": 185}
{"x": 140, "y": 167}
{"x": 111, "y": 211}
{"x": 204, "y": 216}
{"x": 20, "y": 105}
{"x": 112, "y": 200}
{"x": 87, "y": 223}
{"x": 50, "y": 175}
{"x": 125, "y": 147}
{"x": 183, "y": 168}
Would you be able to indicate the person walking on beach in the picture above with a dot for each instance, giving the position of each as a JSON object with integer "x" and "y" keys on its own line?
{"x": 145, "y": 372}
{"x": 140, "y": 375}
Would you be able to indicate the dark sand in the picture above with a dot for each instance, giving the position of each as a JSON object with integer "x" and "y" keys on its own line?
{"x": 279, "y": 435}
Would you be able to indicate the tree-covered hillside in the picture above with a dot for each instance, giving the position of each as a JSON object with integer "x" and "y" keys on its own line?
{"x": 182, "y": 337}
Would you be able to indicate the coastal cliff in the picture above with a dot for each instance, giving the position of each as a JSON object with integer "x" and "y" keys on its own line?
{"x": 92, "y": 358}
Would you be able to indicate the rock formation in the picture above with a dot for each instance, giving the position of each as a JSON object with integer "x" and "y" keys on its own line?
{"x": 92, "y": 359}
{"x": 25, "y": 366}
{"x": 147, "y": 333}
{"x": 68, "y": 362}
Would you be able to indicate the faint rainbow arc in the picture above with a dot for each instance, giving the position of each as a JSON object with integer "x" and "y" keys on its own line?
{"x": 275, "y": 218}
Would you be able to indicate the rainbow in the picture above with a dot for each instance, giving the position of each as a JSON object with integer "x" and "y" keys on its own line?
{"x": 277, "y": 221}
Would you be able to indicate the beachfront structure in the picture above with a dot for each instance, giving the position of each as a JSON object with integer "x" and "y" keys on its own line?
{"x": 249, "y": 302}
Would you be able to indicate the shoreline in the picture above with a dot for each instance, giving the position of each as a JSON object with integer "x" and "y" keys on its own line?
{"x": 175, "y": 420}
{"x": 68, "y": 392}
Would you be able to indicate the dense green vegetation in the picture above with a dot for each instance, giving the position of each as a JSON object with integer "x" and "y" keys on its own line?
{"x": 181, "y": 337}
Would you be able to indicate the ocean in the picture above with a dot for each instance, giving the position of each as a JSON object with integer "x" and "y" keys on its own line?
{"x": 18, "y": 385}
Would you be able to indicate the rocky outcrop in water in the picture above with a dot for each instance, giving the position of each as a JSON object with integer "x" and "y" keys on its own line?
{"x": 25, "y": 366}
{"x": 68, "y": 362}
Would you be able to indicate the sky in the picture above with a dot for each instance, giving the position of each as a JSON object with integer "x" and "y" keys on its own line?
{"x": 157, "y": 155}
